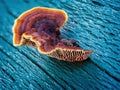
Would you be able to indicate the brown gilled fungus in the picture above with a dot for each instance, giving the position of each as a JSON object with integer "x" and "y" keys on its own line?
{"x": 40, "y": 27}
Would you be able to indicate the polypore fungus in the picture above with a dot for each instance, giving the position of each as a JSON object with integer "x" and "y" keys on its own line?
{"x": 40, "y": 27}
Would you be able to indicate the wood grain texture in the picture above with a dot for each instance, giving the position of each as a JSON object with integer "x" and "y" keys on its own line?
{"x": 94, "y": 24}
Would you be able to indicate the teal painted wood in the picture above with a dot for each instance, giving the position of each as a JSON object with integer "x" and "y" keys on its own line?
{"x": 94, "y": 24}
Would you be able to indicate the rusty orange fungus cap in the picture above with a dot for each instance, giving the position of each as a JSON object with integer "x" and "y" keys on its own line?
{"x": 40, "y": 27}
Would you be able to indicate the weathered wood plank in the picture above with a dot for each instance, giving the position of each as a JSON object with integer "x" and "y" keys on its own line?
{"x": 22, "y": 68}
{"x": 93, "y": 24}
